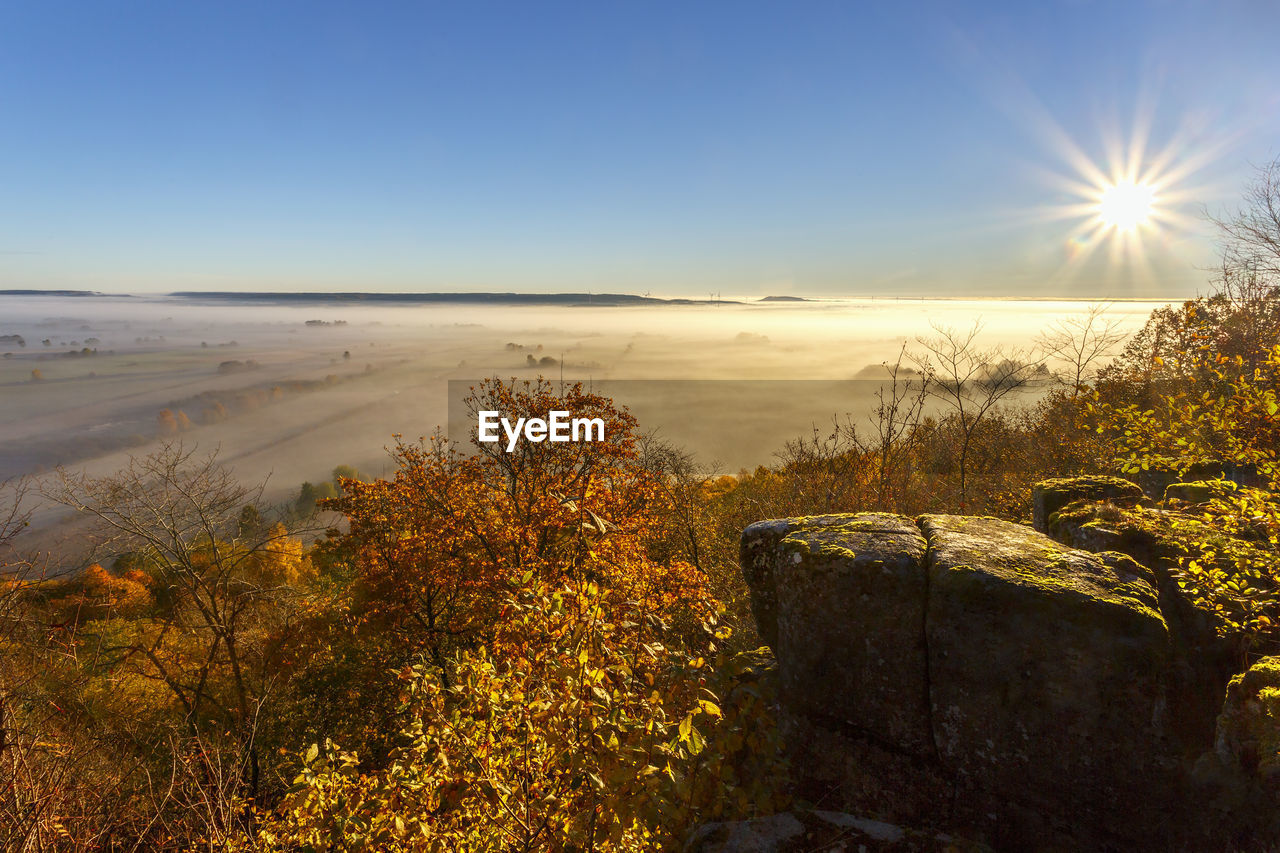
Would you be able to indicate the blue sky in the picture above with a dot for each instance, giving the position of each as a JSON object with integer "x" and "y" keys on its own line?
{"x": 747, "y": 148}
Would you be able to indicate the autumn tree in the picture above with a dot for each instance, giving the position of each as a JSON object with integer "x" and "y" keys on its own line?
{"x": 61, "y": 784}
{"x": 223, "y": 606}
{"x": 1249, "y": 238}
{"x": 556, "y": 658}
{"x": 25, "y": 779}
{"x": 166, "y": 423}
{"x": 435, "y": 545}
{"x": 1197, "y": 343}
{"x": 582, "y": 723}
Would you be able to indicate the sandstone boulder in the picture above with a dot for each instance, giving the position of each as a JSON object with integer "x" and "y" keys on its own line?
{"x": 1049, "y": 496}
{"x": 969, "y": 673}
{"x": 855, "y": 576}
{"x": 1046, "y": 672}
{"x": 821, "y": 832}
{"x": 1204, "y": 656}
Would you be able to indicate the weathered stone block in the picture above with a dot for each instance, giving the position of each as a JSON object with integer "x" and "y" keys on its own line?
{"x": 1046, "y": 669}
{"x": 759, "y": 559}
{"x": 850, "y": 602}
{"x": 971, "y": 673}
{"x": 1049, "y": 496}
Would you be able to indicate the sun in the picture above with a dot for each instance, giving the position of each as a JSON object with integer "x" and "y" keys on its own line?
{"x": 1126, "y": 205}
{"x": 1129, "y": 203}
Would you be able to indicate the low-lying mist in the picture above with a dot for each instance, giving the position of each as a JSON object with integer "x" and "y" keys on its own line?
{"x": 287, "y": 392}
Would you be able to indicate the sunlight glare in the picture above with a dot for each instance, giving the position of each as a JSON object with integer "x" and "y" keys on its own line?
{"x": 1126, "y": 205}
{"x": 1131, "y": 200}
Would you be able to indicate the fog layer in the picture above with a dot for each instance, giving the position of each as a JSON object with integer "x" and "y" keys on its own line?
{"x": 290, "y": 391}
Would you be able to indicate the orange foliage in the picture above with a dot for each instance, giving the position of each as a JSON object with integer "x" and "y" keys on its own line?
{"x": 138, "y": 576}
{"x": 438, "y": 545}
{"x": 104, "y": 591}
{"x": 282, "y": 559}
{"x": 166, "y": 423}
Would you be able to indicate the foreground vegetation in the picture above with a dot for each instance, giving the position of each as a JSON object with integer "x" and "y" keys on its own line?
{"x": 552, "y": 650}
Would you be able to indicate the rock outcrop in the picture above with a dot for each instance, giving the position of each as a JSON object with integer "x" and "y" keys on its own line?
{"x": 1202, "y": 658}
{"x": 1248, "y": 734}
{"x": 1049, "y": 496}
{"x": 977, "y": 676}
{"x": 822, "y": 832}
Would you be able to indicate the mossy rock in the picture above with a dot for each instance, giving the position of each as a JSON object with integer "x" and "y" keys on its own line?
{"x": 1048, "y": 496}
{"x": 1248, "y": 736}
{"x": 758, "y": 558}
{"x": 850, "y": 626}
{"x": 1047, "y": 670}
{"x": 830, "y": 832}
{"x": 1146, "y": 535}
{"x": 1200, "y": 491}
{"x": 1205, "y": 653}
{"x": 972, "y": 655}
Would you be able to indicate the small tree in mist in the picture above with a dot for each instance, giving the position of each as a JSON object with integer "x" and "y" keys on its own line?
{"x": 852, "y": 465}
{"x": 1080, "y": 343}
{"x": 818, "y": 473}
{"x": 970, "y": 383}
{"x": 1249, "y": 237}
{"x": 683, "y": 482}
{"x": 899, "y": 408}
{"x": 855, "y": 468}
{"x": 224, "y": 610}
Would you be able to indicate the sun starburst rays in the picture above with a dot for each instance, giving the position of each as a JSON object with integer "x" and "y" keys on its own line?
{"x": 1129, "y": 202}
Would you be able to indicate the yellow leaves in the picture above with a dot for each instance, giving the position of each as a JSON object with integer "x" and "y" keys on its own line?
{"x": 690, "y": 736}
{"x": 709, "y": 708}
{"x": 572, "y": 736}
{"x": 581, "y": 709}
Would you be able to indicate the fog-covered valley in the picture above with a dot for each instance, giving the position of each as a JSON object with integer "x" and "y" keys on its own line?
{"x": 285, "y": 392}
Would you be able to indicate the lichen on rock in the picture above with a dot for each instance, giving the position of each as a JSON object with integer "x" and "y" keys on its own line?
{"x": 957, "y": 671}
{"x": 816, "y": 831}
{"x": 1048, "y": 496}
{"x": 1248, "y": 736}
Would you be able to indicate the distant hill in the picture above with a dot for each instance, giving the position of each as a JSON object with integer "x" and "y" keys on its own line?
{"x": 572, "y": 299}
{"x": 784, "y": 299}
{"x": 49, "y": 293}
